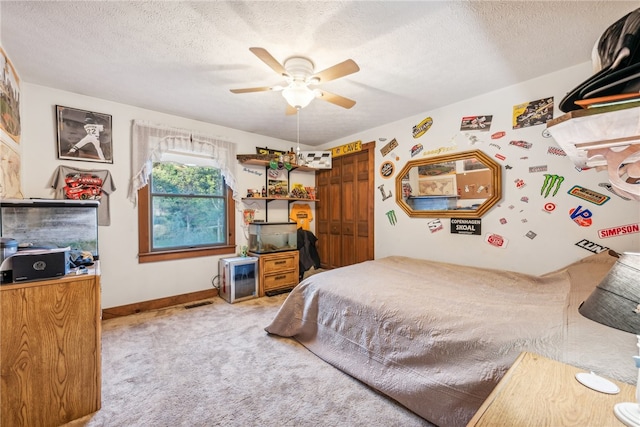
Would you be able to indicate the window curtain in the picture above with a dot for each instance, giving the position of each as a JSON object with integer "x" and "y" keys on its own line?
{"x": 151, "y": 141}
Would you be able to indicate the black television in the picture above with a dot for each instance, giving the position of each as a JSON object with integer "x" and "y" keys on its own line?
{"x": 47, "y": 224}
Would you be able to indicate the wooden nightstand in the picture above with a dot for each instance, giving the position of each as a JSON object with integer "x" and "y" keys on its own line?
{"x": 537, "y": 391}
{"x": 278, "y": 271}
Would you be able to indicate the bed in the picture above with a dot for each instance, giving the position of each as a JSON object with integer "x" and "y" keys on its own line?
{"x": 438, "y": 337}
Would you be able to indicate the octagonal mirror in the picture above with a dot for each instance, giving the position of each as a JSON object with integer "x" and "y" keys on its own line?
{"x": 465, "y": 184}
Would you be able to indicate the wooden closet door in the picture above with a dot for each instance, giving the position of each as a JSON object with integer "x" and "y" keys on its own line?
{"x": 344, "y": 210}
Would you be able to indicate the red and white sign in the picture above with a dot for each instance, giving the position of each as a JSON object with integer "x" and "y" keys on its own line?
{"x": 496, "y": 240}
{"x": 619, "y": 230}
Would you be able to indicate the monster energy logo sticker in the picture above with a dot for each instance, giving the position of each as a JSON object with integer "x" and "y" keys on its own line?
{"x": 391, "y": 215}
{"x": 551, "y": 181}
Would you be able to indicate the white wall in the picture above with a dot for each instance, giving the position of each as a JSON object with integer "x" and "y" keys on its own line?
{"x": 556, "y": 233}
{"x": 124, "y": 280}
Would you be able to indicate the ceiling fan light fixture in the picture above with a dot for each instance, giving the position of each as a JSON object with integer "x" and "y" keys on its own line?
{"x": 298, "y": 95}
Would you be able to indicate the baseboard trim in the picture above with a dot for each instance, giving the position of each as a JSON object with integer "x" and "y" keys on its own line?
{"x": 138, "y": 307}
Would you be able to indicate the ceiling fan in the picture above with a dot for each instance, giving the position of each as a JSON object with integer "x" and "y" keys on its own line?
{"x": 299, "y": 76}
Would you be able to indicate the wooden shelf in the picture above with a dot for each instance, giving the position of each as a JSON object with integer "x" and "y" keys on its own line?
{"x": 290, "y": 199}
{"x": 265, "y": 163}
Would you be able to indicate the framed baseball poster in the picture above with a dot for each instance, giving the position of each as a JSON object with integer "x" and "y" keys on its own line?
{"x": 84, "y": 135}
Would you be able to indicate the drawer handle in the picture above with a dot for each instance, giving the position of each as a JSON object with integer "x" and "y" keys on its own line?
{"x": 280, "y": 277}
{"x": 281, "y": 262}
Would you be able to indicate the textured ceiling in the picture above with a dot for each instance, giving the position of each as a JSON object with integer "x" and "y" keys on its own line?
{"x": 182, "y": 58}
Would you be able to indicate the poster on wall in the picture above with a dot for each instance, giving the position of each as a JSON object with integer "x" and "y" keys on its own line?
{"x": 532, "y": 113}
{"x": 10, "y": 166}
{"x": 9, "y": 99}
{"x": 84, "y": 135}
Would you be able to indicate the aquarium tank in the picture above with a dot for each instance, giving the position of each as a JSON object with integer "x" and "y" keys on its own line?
{"x": 48, "y": 224}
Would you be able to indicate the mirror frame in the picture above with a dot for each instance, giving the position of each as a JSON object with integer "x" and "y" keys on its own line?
{"x": 496, "y": 181}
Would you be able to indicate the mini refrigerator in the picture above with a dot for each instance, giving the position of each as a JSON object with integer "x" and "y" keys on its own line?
{"x": 238, "y": 278}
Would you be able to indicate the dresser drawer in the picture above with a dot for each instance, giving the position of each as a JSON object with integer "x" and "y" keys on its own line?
{"x": 280, "y": 280}
{"x": 285, "y": 262}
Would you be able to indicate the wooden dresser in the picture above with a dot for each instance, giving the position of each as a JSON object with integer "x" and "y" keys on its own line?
{"x": 278, "y": 271}
{"x": 50, "y": 350}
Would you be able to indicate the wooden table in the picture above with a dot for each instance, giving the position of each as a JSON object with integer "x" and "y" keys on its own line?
{"x": 537, "y": 391}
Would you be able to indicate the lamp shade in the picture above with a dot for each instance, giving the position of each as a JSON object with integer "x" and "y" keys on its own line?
{"x": 298, "y": 95}
{"x": 615, "y": 302}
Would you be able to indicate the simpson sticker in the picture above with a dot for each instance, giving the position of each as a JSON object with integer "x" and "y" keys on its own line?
{"x": 388, "y": 147}
{"x": 422, "y": 127}
{"x": 619, "y": 230}
{"x": 551, "y": 182}
{"x": 588, "y": 195}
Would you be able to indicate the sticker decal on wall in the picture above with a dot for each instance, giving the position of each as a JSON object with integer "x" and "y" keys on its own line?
{"x": 522, "y": 144}
{"x": 466, "y": 226}
{"x": 498, "y": 135}
{"x": 619, "y": 230}
{"x": 581, "y": 216}
{"x": 588, "y": 195}
{"x": 481, "y": 123}
{"x": 435, "y": 225}
{"x": 422, "y": 127}
{"x": 496, "y": 240}
{"x": 386, "y": 149}
{"x": 386, "y": 169}
{"x": 252, "y": 171}
{"x": 530, "y": 234}
{"x": 384, "y": 196}
{"x": 556, "y": 151}
{"x": 533, "y": 113}
{"x": 391, "y": 215}
{"x": 551, "y": 181}
{"x": 534, "y": 169}
{"x": 519, "y": 183}
{"x": 549, "y": 207}
{"x": 591, "y": 247}
{"x": 416, "y": 149}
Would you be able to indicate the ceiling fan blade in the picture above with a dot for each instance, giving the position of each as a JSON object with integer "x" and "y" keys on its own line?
{"x": 291, "y": 110}
{"x": 268, "y": 59}
{"x": 251, "y": 89}
{"x": 336, "y": 99}
{"x": 339, "y": 70}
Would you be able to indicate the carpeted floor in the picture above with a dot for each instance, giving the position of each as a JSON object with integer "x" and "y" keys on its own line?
{"x": 214, "y": 365}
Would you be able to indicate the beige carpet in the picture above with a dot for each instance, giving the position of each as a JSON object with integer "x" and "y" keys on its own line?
{"x": 214, "y": 365}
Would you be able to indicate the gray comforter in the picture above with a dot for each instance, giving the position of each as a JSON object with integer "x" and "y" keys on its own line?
{"x": 438, "y": 337}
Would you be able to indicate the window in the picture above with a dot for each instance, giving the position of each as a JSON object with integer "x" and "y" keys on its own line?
{"x": 185, "y": 211}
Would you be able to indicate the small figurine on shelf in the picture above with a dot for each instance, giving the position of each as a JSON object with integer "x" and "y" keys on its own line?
{"x": 264, "y": 191}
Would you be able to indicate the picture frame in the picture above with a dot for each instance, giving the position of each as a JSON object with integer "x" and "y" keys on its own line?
{"x": 84, "y": 135}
